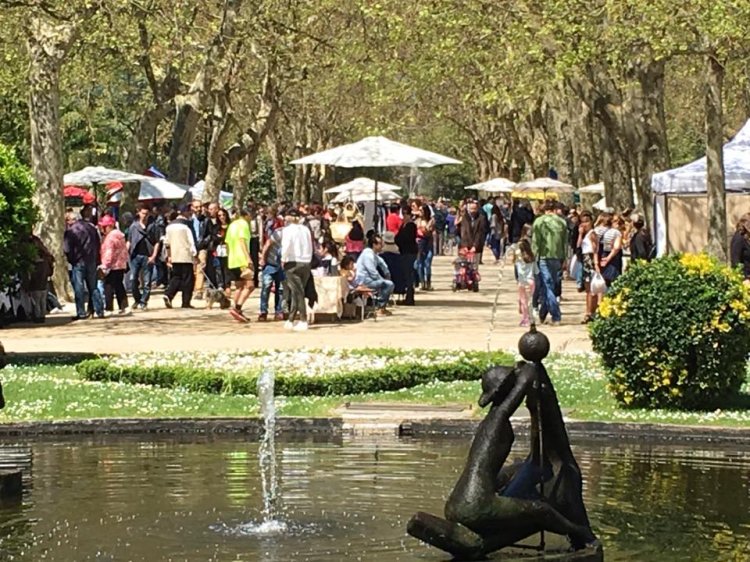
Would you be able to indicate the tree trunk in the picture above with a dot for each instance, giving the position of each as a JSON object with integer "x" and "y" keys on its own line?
{"x": 221, "y": 162}
{"x": 277, "y": 160}
{"x": 244, "y": 170}
{"x": 190, "y": 105}
{"x": 48, "y": 45}
{"x": 717, "y": 203}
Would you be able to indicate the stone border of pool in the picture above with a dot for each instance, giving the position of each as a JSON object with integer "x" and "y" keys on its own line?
{"x": 337, "y": 426}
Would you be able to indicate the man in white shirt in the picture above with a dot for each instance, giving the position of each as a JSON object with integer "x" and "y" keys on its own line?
{"x": 180, "y": 243}
{"x": 296, "y": 257}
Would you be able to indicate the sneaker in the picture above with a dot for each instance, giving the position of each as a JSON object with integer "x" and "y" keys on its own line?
{"x": 237, "y": 315}
{"x": 554, "y": 323}
{"x": 142, "y": 306}
{"x": 125, "y": 312}
{"x": 263, "y": 317}
{"x": 278, "y": 317}
{"x": 524, "y": 323}
{"x": 167, "y": 301}
{"x": 288, "y": 325}
{"x": 300, "y": 327}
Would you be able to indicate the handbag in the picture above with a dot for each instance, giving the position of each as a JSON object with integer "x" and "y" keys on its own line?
{"x": 340, "y": 228}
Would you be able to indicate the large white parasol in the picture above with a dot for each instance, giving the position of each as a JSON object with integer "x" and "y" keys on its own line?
{"x": 495, "y": 185}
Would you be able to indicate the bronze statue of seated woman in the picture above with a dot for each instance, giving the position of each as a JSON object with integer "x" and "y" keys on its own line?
{"x": 494, "y": 506}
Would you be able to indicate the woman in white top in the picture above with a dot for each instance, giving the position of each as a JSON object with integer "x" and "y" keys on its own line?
{"x": 588, "y": 241}
{"x": 610, "y": 251}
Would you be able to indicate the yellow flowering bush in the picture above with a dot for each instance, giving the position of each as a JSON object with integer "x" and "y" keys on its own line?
{"x": 675, "y": 333}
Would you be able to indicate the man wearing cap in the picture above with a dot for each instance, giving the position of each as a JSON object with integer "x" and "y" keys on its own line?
{"x": 237, "y": 240}
{"x": 181, "y": 252}
{"x": 296, "y": 257}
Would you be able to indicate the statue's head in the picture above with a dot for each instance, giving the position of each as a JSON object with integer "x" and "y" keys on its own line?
{"x": 496, "y": 383}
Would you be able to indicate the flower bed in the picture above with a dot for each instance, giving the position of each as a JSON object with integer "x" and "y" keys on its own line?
{"x": 298, "y": 373}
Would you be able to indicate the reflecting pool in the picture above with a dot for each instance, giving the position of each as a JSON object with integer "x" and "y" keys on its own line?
{"x": 199, "y": 499}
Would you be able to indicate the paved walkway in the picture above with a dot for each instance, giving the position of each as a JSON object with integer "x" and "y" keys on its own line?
{"x": 441, "y": 319}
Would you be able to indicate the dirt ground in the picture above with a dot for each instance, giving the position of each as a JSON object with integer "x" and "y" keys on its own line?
{"x": 441, "y": 319}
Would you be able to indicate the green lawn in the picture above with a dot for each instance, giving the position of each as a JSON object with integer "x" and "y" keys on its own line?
{"x": 48, "y": 392}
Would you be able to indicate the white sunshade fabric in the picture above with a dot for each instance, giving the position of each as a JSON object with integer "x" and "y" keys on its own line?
{"x": 545, "y": 184}
{"x": 362, "y": 196}
{"x": 362, "y": 184}
{"x": 377, "y": 152}
{"x": 597, "y": 188}
{"x": 155, "y": 188}
{"x": 495, "y": 185}
{"x": 691, "y": 178}
{"x": 225, "y": 197}
{"x": 91, "y": 175}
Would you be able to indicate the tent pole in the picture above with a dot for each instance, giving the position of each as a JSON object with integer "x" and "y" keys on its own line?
{"x": 376, "y": 222}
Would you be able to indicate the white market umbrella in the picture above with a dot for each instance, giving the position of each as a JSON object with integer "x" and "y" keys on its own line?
{"x": 496, "y": 185}
{"x": 154, "y": 188}
{"x": 226, "y": 199}
{"x": 596, "y": 188}
{"x": 362, "y": 196}
{"x": 91, "y": 175}
{"x": 377, "y": 152}
{"x": 545, "y": 185}
{"x": 362, "y": 185}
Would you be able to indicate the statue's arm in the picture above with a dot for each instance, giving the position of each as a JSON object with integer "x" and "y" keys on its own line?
{"x": 525, "y": 377}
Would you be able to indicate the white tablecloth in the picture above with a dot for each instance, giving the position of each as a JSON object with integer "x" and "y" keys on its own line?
{"x": 331, "y": 294}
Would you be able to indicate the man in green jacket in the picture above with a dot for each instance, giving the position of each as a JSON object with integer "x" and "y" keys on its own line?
{"x": 549, "y": 235}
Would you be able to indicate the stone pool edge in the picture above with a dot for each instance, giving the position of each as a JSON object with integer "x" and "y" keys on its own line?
{"x": 337, "y": 426}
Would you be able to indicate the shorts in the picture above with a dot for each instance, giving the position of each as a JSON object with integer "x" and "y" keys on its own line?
{"x": 234, "y": 274}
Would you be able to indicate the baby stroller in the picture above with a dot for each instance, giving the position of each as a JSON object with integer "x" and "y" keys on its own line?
{"x": 465, "y": 272}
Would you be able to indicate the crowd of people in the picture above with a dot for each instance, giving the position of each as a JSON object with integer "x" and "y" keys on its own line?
{"x": 202, "y": 251}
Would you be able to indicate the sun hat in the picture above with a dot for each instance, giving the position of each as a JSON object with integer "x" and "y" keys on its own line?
{"x": 107, "y": 220}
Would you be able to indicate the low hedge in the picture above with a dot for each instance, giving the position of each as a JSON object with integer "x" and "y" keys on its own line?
{"x": 393, "y": 377}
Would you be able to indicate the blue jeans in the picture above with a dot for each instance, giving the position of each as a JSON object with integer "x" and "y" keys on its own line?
{"x": 381, "y": 291}
{"x": 272, "y": 276}
{"x": 549, "y": 272}
{"x": 138, "y": 265}
{"x": 83, "y": 277}
{"x": 423, "y": 265}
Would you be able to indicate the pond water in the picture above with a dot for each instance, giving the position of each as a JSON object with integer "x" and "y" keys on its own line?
{"x": 126, "y": 499}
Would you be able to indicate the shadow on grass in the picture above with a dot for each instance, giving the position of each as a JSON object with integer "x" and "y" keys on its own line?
{"x": 47, "y": 358}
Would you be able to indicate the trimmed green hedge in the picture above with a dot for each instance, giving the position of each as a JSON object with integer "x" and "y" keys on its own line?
{"x": 393, "y": 377}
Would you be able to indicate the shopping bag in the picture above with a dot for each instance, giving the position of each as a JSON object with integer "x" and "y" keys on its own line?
{"x": 598, "y": 285}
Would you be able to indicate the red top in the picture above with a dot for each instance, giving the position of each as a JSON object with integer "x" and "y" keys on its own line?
{"x": 393, "y": 223}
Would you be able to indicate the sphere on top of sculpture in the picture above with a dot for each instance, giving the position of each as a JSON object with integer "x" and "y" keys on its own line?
{"x": 534, "y": 346}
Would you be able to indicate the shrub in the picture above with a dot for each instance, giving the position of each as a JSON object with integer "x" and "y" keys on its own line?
{"x": 368, "y": 379}
{"x": 674, "y": 333}
{"x": 17, "y": 216}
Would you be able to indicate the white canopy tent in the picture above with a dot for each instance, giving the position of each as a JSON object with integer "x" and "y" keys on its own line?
{"x": 226, "y": 199}
{"x": 495, "y": 185}
{"x": 691, "y": 180}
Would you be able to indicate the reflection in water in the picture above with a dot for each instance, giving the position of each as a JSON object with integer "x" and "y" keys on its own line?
{"x": 124, "y": 499}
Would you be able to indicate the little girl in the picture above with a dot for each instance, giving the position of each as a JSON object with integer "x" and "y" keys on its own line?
{"x": 526, "y": 271}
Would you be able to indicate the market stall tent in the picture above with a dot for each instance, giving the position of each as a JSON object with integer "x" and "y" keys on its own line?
{"x": 680, "y": 202}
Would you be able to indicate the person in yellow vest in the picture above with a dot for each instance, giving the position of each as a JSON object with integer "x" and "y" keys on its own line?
{"x": 237, "y": 240}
